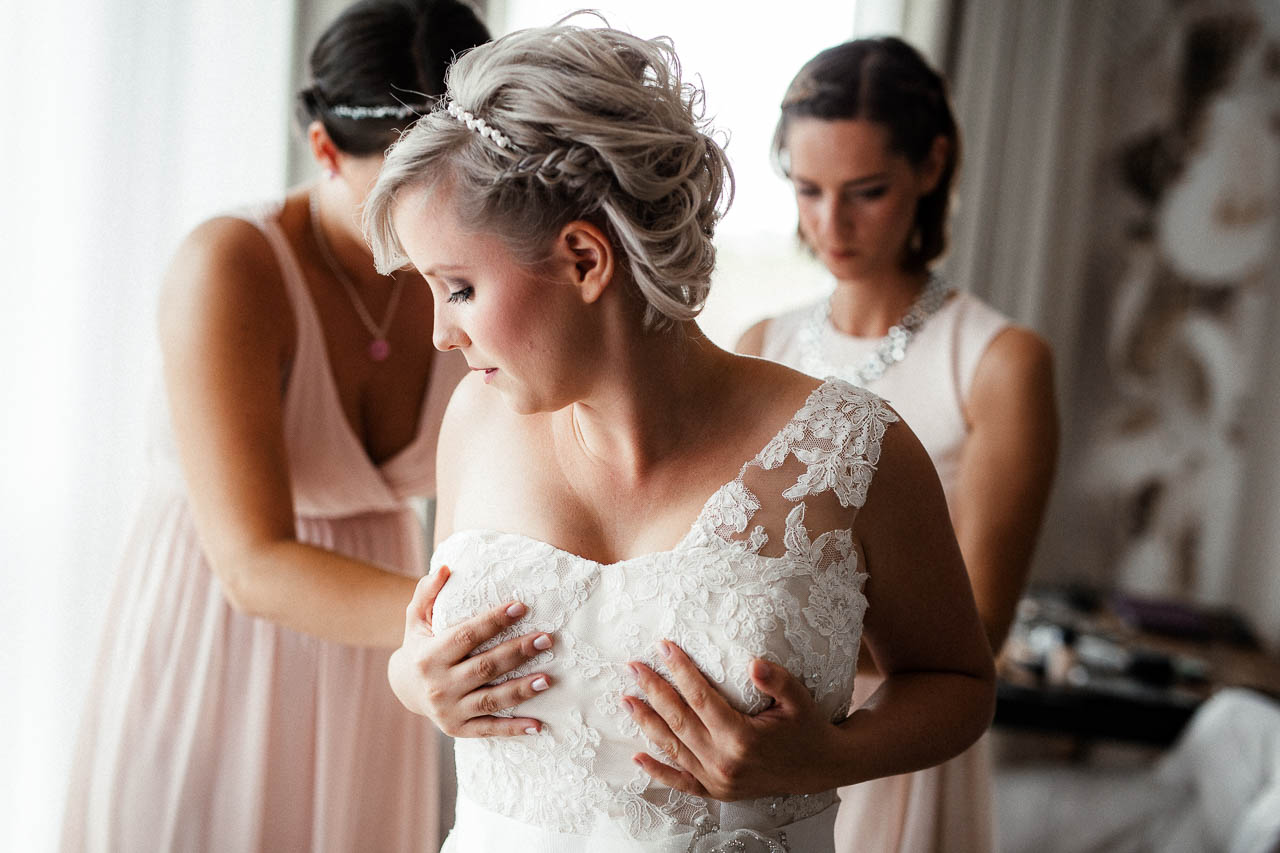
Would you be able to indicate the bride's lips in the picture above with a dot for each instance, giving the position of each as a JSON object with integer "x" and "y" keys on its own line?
{"x": 487, "y": 371}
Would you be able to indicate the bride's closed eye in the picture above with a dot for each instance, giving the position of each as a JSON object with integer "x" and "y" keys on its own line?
{"x": 462, "y": 294}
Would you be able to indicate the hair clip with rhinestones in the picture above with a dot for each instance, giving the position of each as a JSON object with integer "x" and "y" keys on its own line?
{"x": 388, "y": 111}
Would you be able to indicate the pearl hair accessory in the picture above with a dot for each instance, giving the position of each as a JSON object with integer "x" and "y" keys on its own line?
{"x": 398, "y": 111}
{"x": 478, "y": 125}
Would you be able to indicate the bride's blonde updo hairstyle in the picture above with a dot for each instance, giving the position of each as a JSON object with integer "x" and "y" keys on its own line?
{"x": 550, "y": 125}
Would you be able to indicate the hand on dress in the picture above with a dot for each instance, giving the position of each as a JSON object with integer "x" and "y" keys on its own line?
{"x": 722, "y": 753}
{"x": 436, "y": 674}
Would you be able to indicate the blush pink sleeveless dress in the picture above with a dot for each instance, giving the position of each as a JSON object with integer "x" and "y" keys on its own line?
{"x": 949, "y": 808}
{"x": 208, "y": 730}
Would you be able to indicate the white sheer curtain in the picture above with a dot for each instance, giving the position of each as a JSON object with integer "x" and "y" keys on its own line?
{"x": 125, "y": 123}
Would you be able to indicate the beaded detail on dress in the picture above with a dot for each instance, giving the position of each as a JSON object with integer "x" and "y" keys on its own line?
{"x": 769, "y": 569}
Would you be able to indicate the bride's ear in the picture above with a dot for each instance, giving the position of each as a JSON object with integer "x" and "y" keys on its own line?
{"x": 588, "y": 256}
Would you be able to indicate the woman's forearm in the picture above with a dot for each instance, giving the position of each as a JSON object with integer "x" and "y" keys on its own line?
{"x": 913, "y": 721}
{"x": 318, "y": 592}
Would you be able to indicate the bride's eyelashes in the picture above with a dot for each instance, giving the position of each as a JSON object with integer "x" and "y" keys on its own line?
{"x": 462, "y": 294}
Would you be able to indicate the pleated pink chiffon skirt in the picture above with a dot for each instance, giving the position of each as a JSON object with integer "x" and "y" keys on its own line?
{"x": 944, "y": 809}
{"x": 206, "y": 730}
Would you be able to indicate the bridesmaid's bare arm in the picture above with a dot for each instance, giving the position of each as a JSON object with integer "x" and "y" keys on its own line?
{"x": 226, "y": 333}
{"x": 752, "y": 340}
{"x": 922, "y": 627}
{"x": 1006, "y": 469}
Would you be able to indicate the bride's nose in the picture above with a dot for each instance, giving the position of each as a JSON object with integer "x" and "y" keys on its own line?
{"x": 447, "y": 334}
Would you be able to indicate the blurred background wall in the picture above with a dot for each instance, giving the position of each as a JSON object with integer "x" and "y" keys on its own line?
{"x": 1120, "y": 196}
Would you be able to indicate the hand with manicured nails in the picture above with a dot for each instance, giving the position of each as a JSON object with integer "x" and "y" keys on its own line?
{"x": 722, "y": 753}
{"x": 438, "y": 676}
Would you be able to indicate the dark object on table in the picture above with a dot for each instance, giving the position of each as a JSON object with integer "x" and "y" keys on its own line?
{"x": 1122, "y": 666}
{"x": 1140, "y": 716}
{"x": 1183, "y": 620}
{"x": 1152, "y": 668}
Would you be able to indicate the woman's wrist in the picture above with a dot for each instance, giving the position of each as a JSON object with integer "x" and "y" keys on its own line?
{"x": 841, "y": 765}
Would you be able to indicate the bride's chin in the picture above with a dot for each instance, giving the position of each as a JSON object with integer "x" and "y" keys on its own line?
{"x": 523, "y": 407}
{"x": 525, "y": 403}
{"x": 548, "y": 397}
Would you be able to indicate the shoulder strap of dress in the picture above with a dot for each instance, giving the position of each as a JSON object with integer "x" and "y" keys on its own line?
{"x": 266, "y": 218}
{"x": 837, "y": 436}
{"x": 309, "y": 340}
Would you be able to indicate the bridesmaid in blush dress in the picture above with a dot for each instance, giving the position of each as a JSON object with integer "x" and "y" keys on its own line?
{"x": 869, "y": 143}
{"x": 239, "y": 701}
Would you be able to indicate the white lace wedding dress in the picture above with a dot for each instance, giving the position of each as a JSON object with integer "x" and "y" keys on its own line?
{"x": 768, "y": 569}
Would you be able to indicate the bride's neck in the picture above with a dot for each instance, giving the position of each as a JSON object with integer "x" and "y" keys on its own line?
{"x": 649, "y": 398}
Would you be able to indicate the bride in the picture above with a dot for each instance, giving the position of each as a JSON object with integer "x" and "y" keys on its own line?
{"x": 655, "y": 559}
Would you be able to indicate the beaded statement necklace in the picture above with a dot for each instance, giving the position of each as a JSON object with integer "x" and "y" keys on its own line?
{"x": 890, "y": 350}
{"x": 379, "y": 347}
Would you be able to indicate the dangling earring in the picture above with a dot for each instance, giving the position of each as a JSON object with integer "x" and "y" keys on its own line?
{"x": 331, "y": 173}
{"x": 916, "y": 242}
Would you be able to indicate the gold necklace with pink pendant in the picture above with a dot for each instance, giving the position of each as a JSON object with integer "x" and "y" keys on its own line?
{"x": 379, "y": 347}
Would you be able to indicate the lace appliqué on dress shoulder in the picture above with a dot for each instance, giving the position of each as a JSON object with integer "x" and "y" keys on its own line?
{"x": 837, "y": 436}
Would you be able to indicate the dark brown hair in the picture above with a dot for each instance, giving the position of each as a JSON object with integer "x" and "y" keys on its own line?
{"x": 886, "y": 81}
{"x": 384, "y": 53}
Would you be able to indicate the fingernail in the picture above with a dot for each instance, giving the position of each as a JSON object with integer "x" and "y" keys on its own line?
{"x": 532, "y": 730}
{"x": 665, "y": 648}
{"x": 539, "y": 684}
{"x": 635, "y": 670}
{"x": 517, "y": 610}
{"x": 542, "y": 643}
{"x": 626, "y": 703}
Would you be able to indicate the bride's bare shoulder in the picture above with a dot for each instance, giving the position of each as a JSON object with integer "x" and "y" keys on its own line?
{"x": 484, "y": 458}
{"x": 480, "y": 429}
{"x": 774, "y": 385}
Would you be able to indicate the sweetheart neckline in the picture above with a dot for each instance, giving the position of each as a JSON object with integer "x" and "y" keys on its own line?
{"x": 509, "y": 534}
{"x": 858, "y": 571}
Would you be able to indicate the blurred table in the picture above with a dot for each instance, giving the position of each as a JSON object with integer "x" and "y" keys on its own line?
{"x": 1104, "y": 666}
